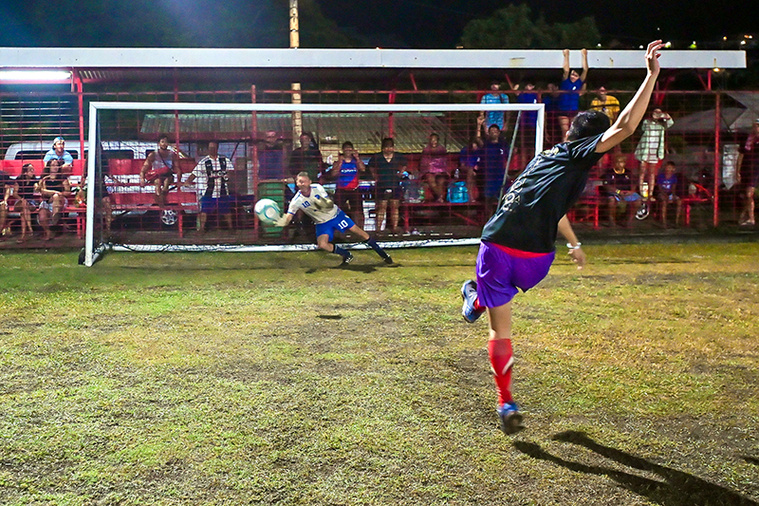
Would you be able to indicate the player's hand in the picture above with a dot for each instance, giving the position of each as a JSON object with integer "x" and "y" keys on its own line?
{"x": 652, "y": 56}
{"x": 282, "y": 221}
{"x": 578, "y": 257}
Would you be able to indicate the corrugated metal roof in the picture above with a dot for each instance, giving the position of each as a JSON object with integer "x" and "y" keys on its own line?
{"x": 364, "y": 130}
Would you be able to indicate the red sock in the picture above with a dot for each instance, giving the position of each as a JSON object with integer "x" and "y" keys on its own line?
{"x": 477, "y": 306}
{"x": 502, "y": 360}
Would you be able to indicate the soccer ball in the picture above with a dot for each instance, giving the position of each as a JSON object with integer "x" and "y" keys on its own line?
{"x": 267, "y": 211}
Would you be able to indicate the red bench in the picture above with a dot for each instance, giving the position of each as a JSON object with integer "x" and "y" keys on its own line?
{"x": 126, "y": 194}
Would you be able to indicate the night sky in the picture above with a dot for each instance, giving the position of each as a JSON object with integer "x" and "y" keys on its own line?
{"x": 439, "y": 23}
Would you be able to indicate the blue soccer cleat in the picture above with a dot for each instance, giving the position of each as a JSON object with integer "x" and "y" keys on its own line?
{"x": 510, "y": 418}
{"x": 469, "y": 294}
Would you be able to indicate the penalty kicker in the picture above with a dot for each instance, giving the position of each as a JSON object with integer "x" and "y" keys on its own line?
{"x": 517, "y": 245}
{"x": 314, "y": 201}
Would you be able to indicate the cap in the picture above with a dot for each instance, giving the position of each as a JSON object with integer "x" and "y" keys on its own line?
{"x": 58, "y": 139}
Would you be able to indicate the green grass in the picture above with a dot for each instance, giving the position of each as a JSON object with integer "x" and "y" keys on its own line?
{"x": 278, "y": 378}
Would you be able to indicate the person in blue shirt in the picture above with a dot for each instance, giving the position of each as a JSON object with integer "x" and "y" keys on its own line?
{"x": 666, "y": 192}
{"x": 496, "y": 96}
{"x": 58, "y": 152}
{"x": 517, "y": 246}
{"x": 572, "y": 85}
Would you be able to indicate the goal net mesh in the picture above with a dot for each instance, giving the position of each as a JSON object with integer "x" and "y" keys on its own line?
{"x": 423, "y": 192}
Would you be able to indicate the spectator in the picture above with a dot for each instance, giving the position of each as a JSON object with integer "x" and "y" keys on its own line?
{"x": 388, "y": 169}
{"x": 528, "y": 121}
{"x": 748, "y": 162}
{"x": 551, "y": 99}
{"x": 495, "y": 153}
{"x": 572, "y": 84}
{"x": 469, "y": 165}
{"x": 345, "y": 172}
{"x": 6, "y": 190}
{"x": 618, "y": 188}
{"x": 306, "y": 158}
{"x": 212, "y": 186}
{"x": 25, "y": 186}
{"x": 666, "y": 189}
{"x": 313, "y": 200}
{"x": 159, "y": 169}
{"x": 55, "y": 190}
{"x": 649, "y": 152}
{"x": 605, "y": 103}
{"x": 433, "y": 168}
{"x": 271, "y": 157}
{"x": 496, "y": 96}
{"x": 58, "y": 152}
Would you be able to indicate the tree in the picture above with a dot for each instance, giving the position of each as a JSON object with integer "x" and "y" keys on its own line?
{"x": 513, "y": 28}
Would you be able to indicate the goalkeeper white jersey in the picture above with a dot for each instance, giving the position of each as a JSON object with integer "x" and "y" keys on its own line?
{"x": 307, "y": 204}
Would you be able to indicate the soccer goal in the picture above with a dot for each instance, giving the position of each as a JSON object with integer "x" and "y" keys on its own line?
{"x": 433, "y": 188}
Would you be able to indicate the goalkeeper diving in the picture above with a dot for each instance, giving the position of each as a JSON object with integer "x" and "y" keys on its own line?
{"x": 314, "y": 200}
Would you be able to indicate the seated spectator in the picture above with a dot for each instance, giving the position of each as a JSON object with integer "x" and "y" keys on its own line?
{"x": 666, "y": 192}
{"x": 6, "y": 190}
{"x": 345, "y": 172}
{"x": 433, "y": 168}
{"x": 306, "y": 158}
{"x": 159, "y": 169}
{"x": 212, "y": 186}
{"x": 620, "y": 191}
{"x": 55, "y": 190}
{"x": 271, "y": 157}
{"x": 388, "y": 169}
{"x": 59, "y": 153}
{"x": 469, "y": 164}
{"x": 26, "y": 201}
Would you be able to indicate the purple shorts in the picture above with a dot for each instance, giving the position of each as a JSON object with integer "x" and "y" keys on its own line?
{"x": 502, "y": 272}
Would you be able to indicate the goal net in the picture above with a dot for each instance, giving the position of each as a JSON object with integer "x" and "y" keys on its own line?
{"x": 436, "y": 185}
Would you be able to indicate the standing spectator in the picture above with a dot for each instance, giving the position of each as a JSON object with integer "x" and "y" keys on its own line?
{"x": 666, "y": 190}
{"x": 388, "y": 169}
{"x": 271, "y": 157}
{"x": 551, "y": 99}
{"x": 313, "y": 200}
{"x": 470, "y": 159}
{"x": 25, "y": 186}
{"x": 58, "y": 152}
{"x": 159, "y": 169}
{"x": 306, "y": 158}
{"x": 433, "y": 168}
{"x": 495, "y": 153}
{"x": 345, "y": 172}
{"x": 212, "y": 186}
{"x": 748, "y": 162}
{"x": 650, "y": 152}
{"x": 55, "y": 189}
{"x": 572, "y": 84}
{"x": 619, "y": 189}
{"x": 528, "y": 122}
{"x": 496, "y": 96}
{"x": 607, "y": 104}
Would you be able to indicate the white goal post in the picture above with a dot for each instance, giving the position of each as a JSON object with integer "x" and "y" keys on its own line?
{"x": 98, "y": 109}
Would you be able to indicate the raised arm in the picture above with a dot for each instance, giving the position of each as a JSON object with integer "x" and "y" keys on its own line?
{"x": 565, "y": 66}
{"x": 629, "y": 119}
{"x": 584, "y": 74}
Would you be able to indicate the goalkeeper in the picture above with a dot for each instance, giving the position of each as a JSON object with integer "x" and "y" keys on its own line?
{"x": 314, "y": 200}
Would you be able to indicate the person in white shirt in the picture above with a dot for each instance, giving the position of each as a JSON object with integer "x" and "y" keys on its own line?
{"x": 314, "y": 200}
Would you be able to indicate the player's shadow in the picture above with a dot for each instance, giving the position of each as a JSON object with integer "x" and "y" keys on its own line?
{"x": 676, "y": 488}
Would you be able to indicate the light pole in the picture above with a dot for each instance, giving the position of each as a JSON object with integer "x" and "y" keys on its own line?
{"x": 295, "y": 87}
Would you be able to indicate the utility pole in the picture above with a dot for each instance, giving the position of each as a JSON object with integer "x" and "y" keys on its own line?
{"x": 295, "y": 87}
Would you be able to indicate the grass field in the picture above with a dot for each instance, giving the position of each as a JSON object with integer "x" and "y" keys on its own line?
{"x": 279, "y": 378}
